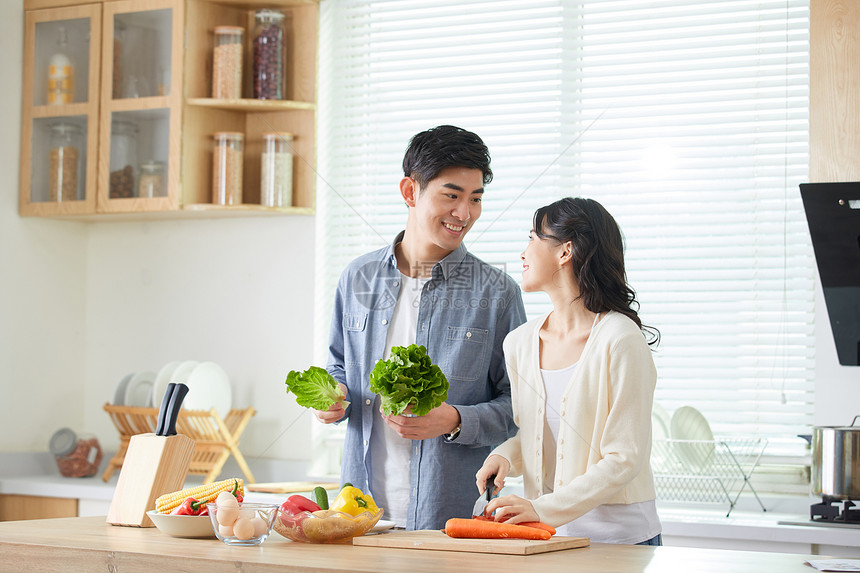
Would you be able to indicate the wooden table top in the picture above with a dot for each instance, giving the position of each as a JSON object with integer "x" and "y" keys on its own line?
{"x": 89, "y": 544}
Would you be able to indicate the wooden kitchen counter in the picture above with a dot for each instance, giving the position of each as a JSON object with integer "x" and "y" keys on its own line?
{"x": 89, "y": 544}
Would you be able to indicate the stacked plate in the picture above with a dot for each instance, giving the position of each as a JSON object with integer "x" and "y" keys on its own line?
{"x": 208, "y": 386}
{"x": 695, "y": 443}
{"x": 135, "y": 389}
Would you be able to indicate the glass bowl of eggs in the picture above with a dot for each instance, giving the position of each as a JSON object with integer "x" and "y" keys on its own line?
{"x": 240, "y": 523}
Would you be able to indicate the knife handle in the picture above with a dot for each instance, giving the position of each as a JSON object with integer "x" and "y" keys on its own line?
{"x": 179, "y": 392}
{"x": 162, "y": 411}
{"x": 491, "y": 485}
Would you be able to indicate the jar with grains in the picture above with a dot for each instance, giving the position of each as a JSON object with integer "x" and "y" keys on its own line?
{"x": 227, "y": 160}
{"x": 276, "y": 173}
{"x": 123, "y": 159}
{"x": 65, "y": 158}
{"x": 268, "y": 56}
{"x": 151, "y": 182}
{"x": 76, "y": 456}
{"x": 227, "y": 62}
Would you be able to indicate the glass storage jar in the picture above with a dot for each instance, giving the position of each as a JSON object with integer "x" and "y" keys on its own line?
{"x": 76, "y": 455}
{"x": 227, "y": 160}
{"x": 268, "y": 54}
{"x": 65, "y": 158}
{"x": 276, "y": 170}
{"x": 227, "y": 62}
{"x": 151, "y": 182}
{"x": 123, "y": 159}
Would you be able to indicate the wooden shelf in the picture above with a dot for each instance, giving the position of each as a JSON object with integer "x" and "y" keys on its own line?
{"x": 252, "y": 105}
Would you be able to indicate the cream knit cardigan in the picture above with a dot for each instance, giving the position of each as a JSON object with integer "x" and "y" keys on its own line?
{"x": 604, "y": 439}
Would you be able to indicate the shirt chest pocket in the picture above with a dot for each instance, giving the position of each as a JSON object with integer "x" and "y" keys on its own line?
{"x": 354, "y": 322}
{"x": 466, "y": 352}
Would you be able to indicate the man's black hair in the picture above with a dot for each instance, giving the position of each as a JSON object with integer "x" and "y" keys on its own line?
{"x": 431, "y": 151}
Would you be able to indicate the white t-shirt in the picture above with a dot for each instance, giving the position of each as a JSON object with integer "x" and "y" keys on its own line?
{"x": 607, "y": 523}
{"x": 390, "y": 454}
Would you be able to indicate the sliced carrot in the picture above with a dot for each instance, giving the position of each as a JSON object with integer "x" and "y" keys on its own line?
{"x": 539, "y": 525}
{"x": 535, "y": 524}
{"x": 480, "y": 529}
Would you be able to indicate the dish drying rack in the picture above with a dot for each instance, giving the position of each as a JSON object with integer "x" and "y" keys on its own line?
{"x": 708, "y": 471}
{"x": 215, "y": 438}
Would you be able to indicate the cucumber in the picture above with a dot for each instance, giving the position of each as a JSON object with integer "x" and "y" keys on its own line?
{"x": 346, "y": 484}
{"x": 321, "y": 497}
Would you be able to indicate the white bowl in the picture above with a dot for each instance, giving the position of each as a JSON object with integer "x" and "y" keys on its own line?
{"x": 195, "y": 526}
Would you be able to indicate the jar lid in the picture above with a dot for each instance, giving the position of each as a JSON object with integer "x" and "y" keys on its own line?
{"x": 228, "y": 135}
{"x": 269, "y": 15}
{"x": 123, "y": 127}
{"x": 65, "y": 128}
{"x": 63, "y": 442}
{"x": 284, "y": 135}
{"x": 233, "y": 30}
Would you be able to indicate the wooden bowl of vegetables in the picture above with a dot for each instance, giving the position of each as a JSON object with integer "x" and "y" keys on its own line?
{"x": 352, "y": 514}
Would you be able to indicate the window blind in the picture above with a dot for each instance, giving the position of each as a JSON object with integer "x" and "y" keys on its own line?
{"x": 688, "y": 121}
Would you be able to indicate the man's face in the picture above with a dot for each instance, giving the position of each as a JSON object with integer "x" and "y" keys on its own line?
{"x": 447, "y": 207}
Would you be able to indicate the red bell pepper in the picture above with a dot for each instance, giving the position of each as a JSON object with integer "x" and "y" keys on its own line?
{"x": 296, "y": 504}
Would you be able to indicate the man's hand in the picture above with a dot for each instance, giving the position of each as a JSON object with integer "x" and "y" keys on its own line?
{"x": 336, "y": 411}
{"x": 440, "y": 420}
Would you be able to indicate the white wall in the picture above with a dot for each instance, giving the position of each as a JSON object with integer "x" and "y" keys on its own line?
{"x": 82, "y": 304}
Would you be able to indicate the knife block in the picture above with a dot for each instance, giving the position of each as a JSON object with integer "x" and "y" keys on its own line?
{"x": 154, "y": 465}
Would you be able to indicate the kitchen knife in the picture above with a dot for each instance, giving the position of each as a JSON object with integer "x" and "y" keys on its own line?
{"x": 485, "y": 497}
{"x": 176, "y": 398}
{"x": 162, "y": 411}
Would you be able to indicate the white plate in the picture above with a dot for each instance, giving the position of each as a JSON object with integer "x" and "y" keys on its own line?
{"x": 689, "y": 424}
{"x": 161, "y": 382}
{"x": 199, "y": 526}
{"x": 119, "y": 392}
{"x": 139, "y": 390}
{"x": 209, "y": 387}
{"x": 182, "y": 372}
{"x": 661, "y": 423}
{"x": 381, "y": 525}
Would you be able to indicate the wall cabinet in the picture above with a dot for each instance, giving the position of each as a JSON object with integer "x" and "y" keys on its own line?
{"x": 118, "y": 118}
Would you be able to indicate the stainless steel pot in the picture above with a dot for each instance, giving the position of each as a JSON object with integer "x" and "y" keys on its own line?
{"x": 836, "y": 461}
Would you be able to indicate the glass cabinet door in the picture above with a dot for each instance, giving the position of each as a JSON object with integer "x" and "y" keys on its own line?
{"x": 59, "y": 132}
{"x": 140, "y": 107}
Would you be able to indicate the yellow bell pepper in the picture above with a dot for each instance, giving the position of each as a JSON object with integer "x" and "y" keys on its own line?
{"x": 353, "y": 501}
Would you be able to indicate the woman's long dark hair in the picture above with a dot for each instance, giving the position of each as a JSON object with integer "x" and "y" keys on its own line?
{"x": 598, "y": 256}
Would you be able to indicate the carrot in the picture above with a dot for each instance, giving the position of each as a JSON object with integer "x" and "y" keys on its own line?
{"x": 480, "y": 529}
{"x": 535, "y": 524}
{"x": 539, "y": 525}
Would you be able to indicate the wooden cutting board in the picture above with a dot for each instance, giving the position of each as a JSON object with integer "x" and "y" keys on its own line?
{"x": 288, "y": 486}
{"x": 436, "y": 540}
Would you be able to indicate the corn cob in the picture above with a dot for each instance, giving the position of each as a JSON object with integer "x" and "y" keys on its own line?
{"x": 205, "y": 493}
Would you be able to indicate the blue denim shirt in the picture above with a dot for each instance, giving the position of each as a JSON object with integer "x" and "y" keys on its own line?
{"x": 466, "y": 310}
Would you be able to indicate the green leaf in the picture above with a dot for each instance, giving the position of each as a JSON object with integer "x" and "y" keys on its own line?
{"x": 409, "y": 377}
{"x": 314, "y": 388}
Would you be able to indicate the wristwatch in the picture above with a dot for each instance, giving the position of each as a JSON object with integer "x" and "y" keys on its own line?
{"x": 453, "y": 435}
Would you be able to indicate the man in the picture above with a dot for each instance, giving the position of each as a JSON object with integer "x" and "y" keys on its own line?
{"x": 427, "y": 289}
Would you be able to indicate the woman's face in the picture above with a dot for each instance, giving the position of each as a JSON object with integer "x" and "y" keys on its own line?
{"x": 540, "y": 262}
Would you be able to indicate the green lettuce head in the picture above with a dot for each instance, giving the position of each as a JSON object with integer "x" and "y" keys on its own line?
{"x": 314, "y": 388}
{"x": 409, "y": 377}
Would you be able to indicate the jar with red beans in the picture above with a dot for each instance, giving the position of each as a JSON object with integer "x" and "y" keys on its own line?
{"x": 76, "y": 455}
{"x": 268, "y": 54}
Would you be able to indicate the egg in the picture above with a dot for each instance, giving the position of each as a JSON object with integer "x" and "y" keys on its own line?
{"x": 226, "y": 499}
{"x": 227, "y": 515}
{"x": 243, "y": 528}
{"x": 260, "y": 526}
{"x": 225, "y": 530}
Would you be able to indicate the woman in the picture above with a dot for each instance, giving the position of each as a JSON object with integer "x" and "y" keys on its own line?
{"x": 582, "y": 381}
